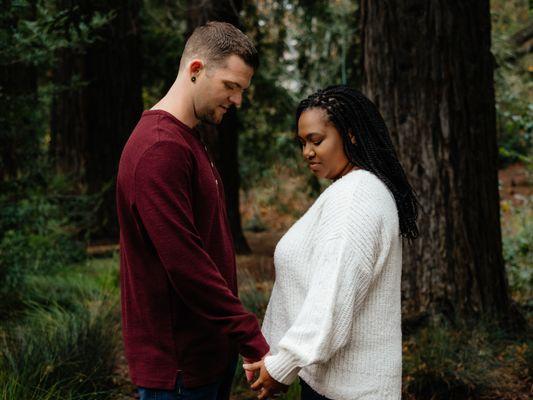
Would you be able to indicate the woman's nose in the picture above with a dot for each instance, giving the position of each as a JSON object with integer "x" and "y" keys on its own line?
{"x": 308, "y": 152}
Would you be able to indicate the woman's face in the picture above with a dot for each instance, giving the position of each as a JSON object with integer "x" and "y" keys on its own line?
{"x": 321, "y": 143}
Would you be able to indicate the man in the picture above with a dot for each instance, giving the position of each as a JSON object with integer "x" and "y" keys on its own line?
{"x": 182, "y": 322}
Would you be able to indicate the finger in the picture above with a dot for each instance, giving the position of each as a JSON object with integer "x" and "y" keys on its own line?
{"x": 249, "y": 376}
{"x": 264, "y": 394}
{"x": 252, "y": 367}
{"x": 257, "y": 384}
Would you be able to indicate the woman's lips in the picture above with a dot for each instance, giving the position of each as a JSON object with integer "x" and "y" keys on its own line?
{"x": 314, "y": 165}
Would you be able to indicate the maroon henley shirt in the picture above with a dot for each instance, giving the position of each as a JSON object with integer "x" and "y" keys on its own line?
{"x": 180, "y": 310}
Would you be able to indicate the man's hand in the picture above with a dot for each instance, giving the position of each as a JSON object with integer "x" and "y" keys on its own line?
{"x": 249, "y": 374}
{"x": 265, "y": 384}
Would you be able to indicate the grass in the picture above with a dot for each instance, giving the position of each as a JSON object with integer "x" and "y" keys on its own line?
{"x": 62, "y": 341}
{"x": 466, "y": 361}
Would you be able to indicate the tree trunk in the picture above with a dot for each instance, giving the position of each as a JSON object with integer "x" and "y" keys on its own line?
{"x": 428, "y": 67}
{"x": 68, "y": 117}
{"x": 223, "y": 139}
{"x": 91, "y": 123}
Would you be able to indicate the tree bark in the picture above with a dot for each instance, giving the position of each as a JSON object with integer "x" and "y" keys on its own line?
{"x": 428, "y": 67}
{"x": 91, "y": 123}
{"x": 223, "y": 139}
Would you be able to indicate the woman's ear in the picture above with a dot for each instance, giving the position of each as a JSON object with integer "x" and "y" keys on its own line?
{"x": 352, "y": 137}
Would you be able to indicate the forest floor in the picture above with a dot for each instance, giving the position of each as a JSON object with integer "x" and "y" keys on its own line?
{"x": 264, "y": 212}
{"x": 516, "y": 184}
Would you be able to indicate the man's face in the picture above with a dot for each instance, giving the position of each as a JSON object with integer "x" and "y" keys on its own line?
{"x": 217, "y": 88}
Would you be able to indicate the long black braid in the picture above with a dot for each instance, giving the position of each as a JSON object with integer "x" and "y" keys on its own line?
{"x": 354, "y": 114}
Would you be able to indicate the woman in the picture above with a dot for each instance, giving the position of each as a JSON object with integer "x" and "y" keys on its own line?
{"x": 334, "y": 317}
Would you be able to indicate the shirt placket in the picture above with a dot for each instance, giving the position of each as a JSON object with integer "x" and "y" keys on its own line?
{"x": 213, "y": 169}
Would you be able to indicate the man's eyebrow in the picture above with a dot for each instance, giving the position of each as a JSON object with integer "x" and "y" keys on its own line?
{"x": 236, "y": 84}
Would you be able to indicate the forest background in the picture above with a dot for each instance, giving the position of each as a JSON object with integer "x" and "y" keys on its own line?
{"x": 453, "y": 81}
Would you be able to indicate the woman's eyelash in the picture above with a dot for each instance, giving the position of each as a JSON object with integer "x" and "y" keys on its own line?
{"x": 302, "y": 144}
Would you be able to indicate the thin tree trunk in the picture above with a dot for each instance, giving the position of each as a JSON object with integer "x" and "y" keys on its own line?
{"x": 428, "y": 67}
{"x": 223, "y": 139}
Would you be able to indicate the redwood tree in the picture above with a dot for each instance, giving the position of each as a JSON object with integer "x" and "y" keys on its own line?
{"x": 92, "y": 120}
{"x": 429, "y": 68}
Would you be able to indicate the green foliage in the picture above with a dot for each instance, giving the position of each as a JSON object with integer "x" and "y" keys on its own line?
{"x": 266, "y": 137}
{"x": 41, "y": 225}
{"x": 163, "y": 38}
{"x": 293, "y": 63}
{"x": 64, "y": 343}
{"x": 32, "y": 37}
{"x": 43, "y": 30}
{"x": 326, "y": 41}
{"x": 518, "y": 250}
{"x": 514, "y": 101}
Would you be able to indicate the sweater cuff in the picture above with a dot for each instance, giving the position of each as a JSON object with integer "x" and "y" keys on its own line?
{"x": 283, "y": 367}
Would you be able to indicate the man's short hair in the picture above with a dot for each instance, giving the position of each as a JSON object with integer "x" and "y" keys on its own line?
{"x": 215, "y": 41}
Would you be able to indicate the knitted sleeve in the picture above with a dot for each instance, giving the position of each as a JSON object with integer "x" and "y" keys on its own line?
{"x": 347, "y": 247}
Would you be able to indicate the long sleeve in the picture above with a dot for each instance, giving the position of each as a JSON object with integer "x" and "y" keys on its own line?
{"x": 343, "y": 259}
{"x": 163, "y": 197}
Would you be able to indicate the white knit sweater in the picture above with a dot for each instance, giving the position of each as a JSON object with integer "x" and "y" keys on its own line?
{"x": 334, "y": 317}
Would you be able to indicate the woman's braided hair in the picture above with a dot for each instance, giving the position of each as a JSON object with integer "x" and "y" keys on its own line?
{"x": 354, "y": 114}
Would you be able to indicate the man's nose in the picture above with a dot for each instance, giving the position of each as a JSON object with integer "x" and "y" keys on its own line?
{"x": 236, "y": 99}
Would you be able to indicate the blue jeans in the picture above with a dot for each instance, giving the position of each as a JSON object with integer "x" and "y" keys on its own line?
{"x": 219, "y": 390}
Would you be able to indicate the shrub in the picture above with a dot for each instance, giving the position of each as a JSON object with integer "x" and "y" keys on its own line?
{"x": 42, "y": 227}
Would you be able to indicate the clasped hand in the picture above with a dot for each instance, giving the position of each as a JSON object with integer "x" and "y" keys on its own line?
{"x": 265, "y": 384}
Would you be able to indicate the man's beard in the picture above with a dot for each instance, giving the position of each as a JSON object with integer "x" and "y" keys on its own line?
{"x": 209, "y": 117}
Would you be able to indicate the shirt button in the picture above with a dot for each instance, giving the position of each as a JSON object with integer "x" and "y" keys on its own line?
{"x": 212, "y": 164}
{"x": 216, "y": 180}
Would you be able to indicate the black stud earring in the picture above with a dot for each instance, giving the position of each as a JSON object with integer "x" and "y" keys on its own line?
{"x": 193, "y": 79}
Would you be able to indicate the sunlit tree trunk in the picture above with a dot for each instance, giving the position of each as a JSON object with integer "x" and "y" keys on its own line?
{"x": 428, "y": 67}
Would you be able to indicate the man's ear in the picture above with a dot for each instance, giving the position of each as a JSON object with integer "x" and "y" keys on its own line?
{"x": 195, "y": 66}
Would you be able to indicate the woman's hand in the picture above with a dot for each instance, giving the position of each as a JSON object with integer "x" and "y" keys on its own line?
{"x": 265, "y": 384}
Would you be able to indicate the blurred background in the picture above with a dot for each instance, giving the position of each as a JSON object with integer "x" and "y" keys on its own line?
{"x": 453, "y": 81}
